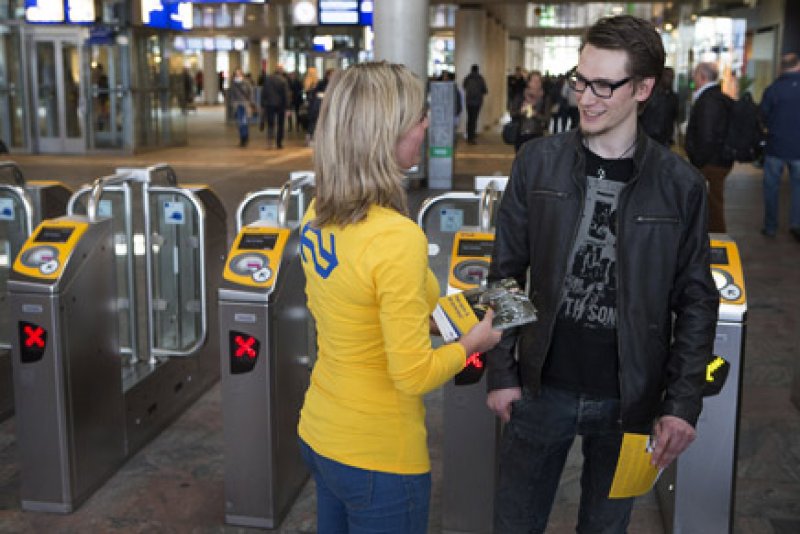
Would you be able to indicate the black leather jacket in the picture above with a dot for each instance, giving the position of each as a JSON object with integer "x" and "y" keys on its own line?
{"x": 667, "y": 302}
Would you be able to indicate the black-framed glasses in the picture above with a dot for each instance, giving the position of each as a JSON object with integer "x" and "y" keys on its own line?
{"x": 600, "y": 88}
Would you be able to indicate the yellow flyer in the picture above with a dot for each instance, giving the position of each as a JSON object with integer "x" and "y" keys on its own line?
{"x": 634, "y": 475}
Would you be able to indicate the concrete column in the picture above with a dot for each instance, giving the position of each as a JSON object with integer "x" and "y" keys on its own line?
{"x": 495, "y": 74}
{"x": 254, "y": 58}
{"x": 234, "y": 61}
{"x": 402, "y": 34}
{"x": 210, "y": 80}
{"x": 470, "y": 42}
{"x": 274, "y": 36}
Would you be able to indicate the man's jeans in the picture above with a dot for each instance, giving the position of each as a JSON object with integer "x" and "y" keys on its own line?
{"x": 773, "y": 169}
{"x": 533, "y": 450}
{"x": 244, "y": 123}
{"x": 358, "y": 501}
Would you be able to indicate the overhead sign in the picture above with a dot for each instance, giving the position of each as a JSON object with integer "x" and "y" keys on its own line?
{"x": 345, "y": 12}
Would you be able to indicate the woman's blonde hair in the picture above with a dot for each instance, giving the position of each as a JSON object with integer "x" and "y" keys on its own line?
{"x": 311, "y": 79}
{"x": 366, "y": 109}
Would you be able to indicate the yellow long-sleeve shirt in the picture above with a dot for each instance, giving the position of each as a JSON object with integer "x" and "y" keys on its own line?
{"x": 371, "y": 293}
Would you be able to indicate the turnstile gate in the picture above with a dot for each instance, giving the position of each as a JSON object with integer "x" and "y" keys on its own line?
{"x": 696, "y": 492}
{"x": 267, "y": 346}
{"x": 101, "y": 407}
{"x": 460, "y": 230}
{"x": 23, "y": 205}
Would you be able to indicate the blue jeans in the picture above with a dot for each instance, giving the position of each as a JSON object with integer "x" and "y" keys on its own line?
{"x": 534, "y": 449}
{"x": 773, "y": 169}
{"x": 359, "y": 501}
{"x": 244, "y": 123}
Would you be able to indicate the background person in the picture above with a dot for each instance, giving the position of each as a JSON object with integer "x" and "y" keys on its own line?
{"x": 612, "y": 228}
{"x": 371, "y": 293}
{"x": 531, "y": 110}
{"x": 660, "y": 115}
{"x": 275, "y": 98}
{"x": 705, "y": 136}
{"x": 241, "y": 95}
{"x": 474, "y": 90}
{"x": 780, "y": 109}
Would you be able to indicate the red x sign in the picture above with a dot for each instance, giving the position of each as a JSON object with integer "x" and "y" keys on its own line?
{"x": 474, "y": 360}
{"x": 244, "y": 347}
{"x": 33, "y": 336}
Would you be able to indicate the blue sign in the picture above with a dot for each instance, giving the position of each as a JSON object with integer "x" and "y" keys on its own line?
{"x": 167, "y": 14}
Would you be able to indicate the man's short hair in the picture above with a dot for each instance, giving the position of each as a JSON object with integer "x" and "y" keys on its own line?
{"x": 637, "y": 37}
{"x": 789, "y": 61}
{"x": 709, "y": 71}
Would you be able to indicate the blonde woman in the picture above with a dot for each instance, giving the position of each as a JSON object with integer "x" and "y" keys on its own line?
{"x": 371, "y": 293}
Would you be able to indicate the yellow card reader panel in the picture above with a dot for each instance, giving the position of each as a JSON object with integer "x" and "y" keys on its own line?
{"x": 256, "y": 255}
{"x": 726, "y": 269}
{"x": 469, "y": 263}
{"x": 46, "y": 251}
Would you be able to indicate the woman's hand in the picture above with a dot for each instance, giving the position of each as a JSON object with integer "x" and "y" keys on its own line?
{"x": 482, "y": 336}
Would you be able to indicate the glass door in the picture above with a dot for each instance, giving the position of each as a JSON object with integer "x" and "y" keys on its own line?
{"x": 12, "y": 104}
{"x": 108, "y": 96}
{"x": 58, "y": 102}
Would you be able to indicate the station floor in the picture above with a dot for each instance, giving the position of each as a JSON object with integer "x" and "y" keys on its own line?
{"x": 174, "y": 484}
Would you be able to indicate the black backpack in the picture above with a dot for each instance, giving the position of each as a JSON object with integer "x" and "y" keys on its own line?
{"x": 744, "y": 140}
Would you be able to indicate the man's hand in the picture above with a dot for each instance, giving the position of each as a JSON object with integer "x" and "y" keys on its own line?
{"x": 672, "y": 435}
{"x": 499, "y": 401}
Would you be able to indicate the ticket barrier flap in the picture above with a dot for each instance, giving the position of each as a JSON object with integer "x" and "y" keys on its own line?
{"x": 696, "y": 492}
{"x": 267, "y": 343}
{"x": 67, "y": 381}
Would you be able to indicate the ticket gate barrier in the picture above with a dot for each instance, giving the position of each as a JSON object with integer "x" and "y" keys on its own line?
{"x": 262, "y": 205}
{"x": 696, "y": 491}
{"x": 23, "y": 205}
{"x": 463, "y": 223}
{"x": 83, "y": 407}
{"x": 267, "y": 345}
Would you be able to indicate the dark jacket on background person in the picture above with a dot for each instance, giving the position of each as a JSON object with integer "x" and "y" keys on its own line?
{"x": 780, "y": 109}
{"x": 707, "y": 128}
{"x": 275, "y": 92}
{"x": 660, "y": 114}
{"x": 474, "y": 89}
{"x": 663, "y": 269}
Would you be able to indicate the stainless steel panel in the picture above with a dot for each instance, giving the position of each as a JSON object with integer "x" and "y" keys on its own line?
{"x": 469, "y": 456}
{"x": 264, "y": 471}
{"x": 697, "y": 493}
{"x": 70, "y": 423}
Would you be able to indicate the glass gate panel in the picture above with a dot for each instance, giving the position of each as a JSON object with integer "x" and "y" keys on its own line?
{"x": 13, "y": 233}
{"x": 177, "y": 281}
{"x": 115, "y": 203}
{"x": 47, "y": 101}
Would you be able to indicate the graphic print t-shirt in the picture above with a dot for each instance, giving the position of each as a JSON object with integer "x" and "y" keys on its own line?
{"x": 583, "y": 351}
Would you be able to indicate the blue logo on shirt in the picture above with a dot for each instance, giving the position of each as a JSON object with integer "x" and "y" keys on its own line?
{"x": 318, "y": 251}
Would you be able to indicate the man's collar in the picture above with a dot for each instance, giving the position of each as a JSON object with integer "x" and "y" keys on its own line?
{"x": 702, "y": 90}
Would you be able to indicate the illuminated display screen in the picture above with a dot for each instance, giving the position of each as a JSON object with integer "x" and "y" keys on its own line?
{"x": 345, "y": 12}
{"x": 44, "y": 11}
{"x": 719, "y": 256}
{"x": 258, "y": 241}
{"x": 60, "y": 11}
{"x": 475, "y": 247}
{"x": 48, "y": 234}
{"x": 166, "y": 14}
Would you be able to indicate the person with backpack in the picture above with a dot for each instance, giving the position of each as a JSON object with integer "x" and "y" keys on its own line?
{"x": 474, "y": 90}
{"x": 705, "y": 138}
{"x": 780, "y": 109}
{"x": 661, "y": 112}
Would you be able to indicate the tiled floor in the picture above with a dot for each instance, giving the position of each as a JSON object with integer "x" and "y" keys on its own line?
{"x": 175, "y": 483}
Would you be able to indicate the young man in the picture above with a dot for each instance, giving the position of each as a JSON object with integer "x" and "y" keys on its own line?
{"x": 612, "y": 227}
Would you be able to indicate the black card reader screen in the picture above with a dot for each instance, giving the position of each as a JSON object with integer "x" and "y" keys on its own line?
{"x": 475, "y": 247}
{"x": 50, "y": 234}
{"x": 719, "y": 256}
{"x": 258, "y": 241}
